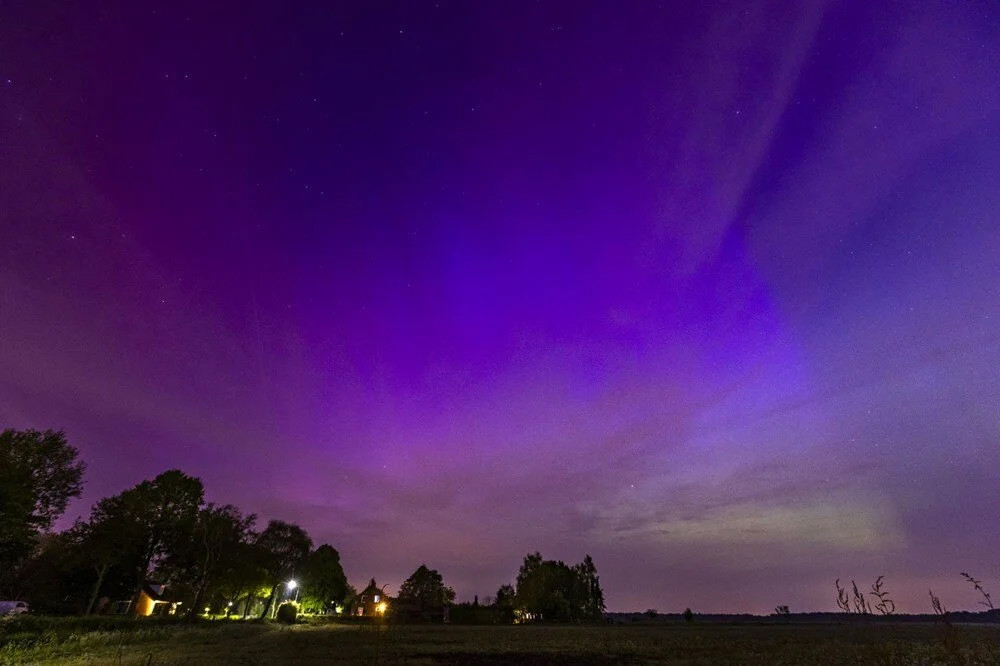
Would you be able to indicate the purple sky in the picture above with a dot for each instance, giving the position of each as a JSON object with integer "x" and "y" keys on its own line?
{"x": 709, "y": 292}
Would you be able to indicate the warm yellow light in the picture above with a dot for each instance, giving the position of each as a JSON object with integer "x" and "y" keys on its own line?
{"x": 380, "y": 608}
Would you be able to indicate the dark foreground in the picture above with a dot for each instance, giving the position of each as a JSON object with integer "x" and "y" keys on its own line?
{"x": 251, "y": 643}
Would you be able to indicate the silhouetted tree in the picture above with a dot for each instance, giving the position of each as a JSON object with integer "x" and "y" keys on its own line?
{"x": 55, "y": 579}
{"x": 109, "y": 540}
{"x": 323, "y": 580}
{"x": 426, "y": 590}
{"x": 505, "y": 595}
{"x": 284, "y": 547}
{"x": 39, "y": 473}
{"x": 148, "y": 522}
{"x": 216, "y": 537}
{"x": 246, "y": 577}
{"x": 588, "y": 596}
{"x": 551, "y": 590}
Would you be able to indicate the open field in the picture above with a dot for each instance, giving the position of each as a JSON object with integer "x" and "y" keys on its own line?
{"x": 315, "y": 643}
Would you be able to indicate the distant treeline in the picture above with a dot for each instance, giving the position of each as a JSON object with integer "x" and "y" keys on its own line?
{"x": 212, "y": 557}
{"x": 981, "y": 617}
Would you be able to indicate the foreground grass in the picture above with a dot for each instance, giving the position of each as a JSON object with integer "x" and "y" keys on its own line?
{"x": 252, "y": 643}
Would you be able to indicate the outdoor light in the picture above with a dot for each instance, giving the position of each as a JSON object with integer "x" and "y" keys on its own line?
{"x": 380, "y": 608}
{"x": 293, "y": 585}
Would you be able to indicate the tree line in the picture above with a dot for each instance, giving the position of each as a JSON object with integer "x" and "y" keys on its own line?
{"x": 209, "y": 555}
{"x": 161, "y": 529}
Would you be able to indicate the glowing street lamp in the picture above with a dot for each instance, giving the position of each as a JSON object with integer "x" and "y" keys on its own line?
{"x": 293, "y": 585}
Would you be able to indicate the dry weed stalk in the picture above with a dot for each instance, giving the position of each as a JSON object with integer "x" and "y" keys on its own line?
{"x": 949, "y": 639}
{"x": 938, "y": 607}
{"x": 842, "y": 600}
{"x": 978, "y": 585}
{"x": 884, "y": 605}
{"x": 860, "y": 605}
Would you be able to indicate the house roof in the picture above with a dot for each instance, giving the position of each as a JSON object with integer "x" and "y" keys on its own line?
{"x": 157, "y": 592}
{"x": 372, "y": 588}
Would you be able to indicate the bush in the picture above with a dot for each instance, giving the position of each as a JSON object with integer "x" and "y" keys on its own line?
{"x": 688, "y": 615}
{"x": 287, "y": 612}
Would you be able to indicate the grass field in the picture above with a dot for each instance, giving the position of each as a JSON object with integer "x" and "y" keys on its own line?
{"x": 144, "y": 642}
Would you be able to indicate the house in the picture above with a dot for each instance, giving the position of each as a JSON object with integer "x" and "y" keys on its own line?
{"x": 153, "y": 600}
{"x": 371, "y": 602}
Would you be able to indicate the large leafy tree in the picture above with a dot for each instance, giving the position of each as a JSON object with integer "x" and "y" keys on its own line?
{"x": 246, "y": 577}
{"x": 588, "y": 595}
{"x": 283, "y": 547}
{"x": 552, "y": 590}
{"x": 531, "y": 584}
{"x": 323, "y": 581}
{"x": 505, "y": 603}
{"x": 217, "y": 536}
{"x": 145, "y": 524}
{"x": 106, "y": 544}
{"x": 425, "y": 588}
{"x": 53, "y": 579}
{"x": 39, "y": 474}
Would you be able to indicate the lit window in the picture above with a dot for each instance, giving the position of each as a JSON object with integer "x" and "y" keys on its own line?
{"x": 376, "y": 598}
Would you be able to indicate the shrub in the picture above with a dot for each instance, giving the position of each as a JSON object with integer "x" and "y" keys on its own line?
{"x": 287, "y": 612}
{"x": 688, "y": 615}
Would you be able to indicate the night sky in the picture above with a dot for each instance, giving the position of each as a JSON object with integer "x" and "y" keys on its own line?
{"x": 710, "y": 291}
